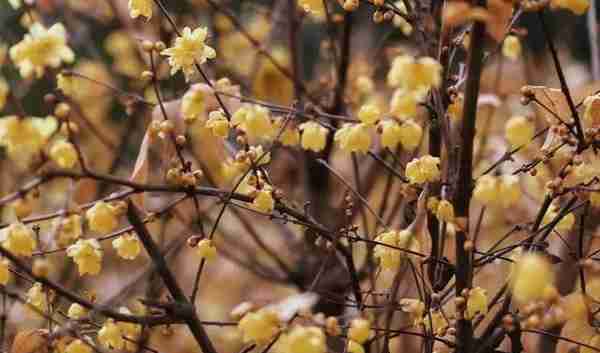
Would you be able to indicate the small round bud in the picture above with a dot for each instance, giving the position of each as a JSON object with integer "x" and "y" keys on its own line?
{"x": 49, "y": 98}
{"x": 147, "y": 75}
{"x": 193, "y": 240}
{"x": 180, "y": 140}
{"x": 40, "y": 267}
{"x": 62, "y": 110}
{"x": 147, "y": 46}
{"x": 160, "y": 46}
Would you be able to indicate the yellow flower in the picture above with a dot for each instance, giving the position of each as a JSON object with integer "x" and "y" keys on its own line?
{"x": 410, "y": 134}
{"x": 437, "y": 324}
{"x": 37, "y": 297}
{"x": 127, "y": 246}
{"x": 519, "y": 131}
{"x": 64, "y": 154}
{"x": 415, "y": 308}
{"x": 69, "y": 229}
{"x": 110, "y": 335}
{"x": 314, "y": 136}
{"x": 399, "y": 21}
{"x": 78, "y": 346}
{"x": 259, "y": 326}
{"x": 564, "y": 225}
{"x": 189, "y": 49}
{"x": 130, "y": 331}
{"x": 206, "y": 250}
{"x": 424, "y": 169}
{"x": 263, "y": 201}
{"x": 290, "y": 137}
{"x": 353, "y": 138}
{"x": 509, "y": 189}
{"x": 387, "y": 252}
{"x": 414, "y": 74}
{"x": 193, "y": 105}
{"x": 477, "y": 303}
{"x": 369, "y": 114}
{"x": 301, "y": 339}
{"x": 4, "y": 272}
{"x": 591, "y": 115}
{"x": 4, "y": 90}
{"x": 359, "y": 330}
{"x": 41, "y": 48}
{"x": 102, "y": 218}
{"x": 218, "y": 124}
{"x": 511, "y": 48}
{"x": 19, "y": 239}
{"x": 455, "y": 109}
{"x": 531, "y": 274}
{"x": 404, "y": 103}
{"x": 254, "y": 120}
{"x": 140, "y": 8}
{"x": 445, "y": 211}
{"x": 87, "y": 254}
{"x": 76, "y": 312}
{"x": 270, "y": 84}
{"x": 354, "y": 347}
{"x": 486, "y": 189}
{"x": 390, "y": 134}
{"x": 25, "y": 137}
{"x": 593, "y": 341}
{"x": 578, "y": 7}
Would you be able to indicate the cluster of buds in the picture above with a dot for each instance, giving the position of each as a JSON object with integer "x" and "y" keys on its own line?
{"x": 176, "y": 176}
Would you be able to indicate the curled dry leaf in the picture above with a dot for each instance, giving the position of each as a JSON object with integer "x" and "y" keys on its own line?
{"x": 30, "y": 341}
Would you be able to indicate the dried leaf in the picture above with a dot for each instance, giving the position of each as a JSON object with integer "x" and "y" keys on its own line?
{"x": 30, "y": 341}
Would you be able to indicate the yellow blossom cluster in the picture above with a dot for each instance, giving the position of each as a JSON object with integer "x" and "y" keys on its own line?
{"x": 128, "y": 246}
{"x": 102, "y": 218}
{"x": 530, "y": 276}
{"x": 502, "y": 191}
{"x": 189, "y": 49}
{"x": 388, "y": 250}
{"x": 254, "y": 120}
{"x": 314, "y": 136}
{"x": 407, "y": 133}
{"x": 423, "y": 170}
{"x": 19, "y": 239}
{"x": 519, "y": 131}
{"x": 259, "y": 326}
{"x": 87, "y": 254}
{"x": 41, "y": 48}
{"x": 304, "y": 339}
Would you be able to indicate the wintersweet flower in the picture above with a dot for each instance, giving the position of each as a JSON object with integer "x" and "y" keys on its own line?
{"x": 69, "y": 229}
{"x": 254, "y": 120}
{"x": 140, "y": 8}
{"x": 423, "y": 170}
{"x": 353, "y": 138}
{"x": 5, "y": 275}
{"x": 445, "y": 211}
{"x": 359, "y": 330}
{"x": 38, "y": 298}
{"x": 110, "y": 335}
{"x": 519, "y": 131}
{"x": 414, "y": 74}
{"x": 591, "y": 115}
{"x": 415, "y": 308}
{"x": 189, "y": 49}
{"x": 369, "y": 114}
{"x": 314, "y": 136}
{"x": 404, "y": 103}
{"x": 78, "y": 346}
{"x": 301, "y": 339}
{"x": 76, "y": 312}
{"x": 64, "y": 154}
{"x": 128, "y": 246}
{"x": 206, "y": 250}
{"x": 477, "y": 303}
{"x": 511, "y": 48}
{"x": 193, "y": 105}
{"x": 387, "y": 252}
{"x": 25, "y": 137}
{"x": 218, "y": 124}
{"x": 4, "y": 90}
{"x": 87, "y": 254}
{"x": 355, "y": 347}
{"x": 530, "y": 276}
{"x": 41, "y": 48}
{"x": 263, "y": 201}
{"x": 102, "y": 218}
{"x": 259, "y": 326}
{"x": 405, "y": 27}
{"x": 19, "y": 239}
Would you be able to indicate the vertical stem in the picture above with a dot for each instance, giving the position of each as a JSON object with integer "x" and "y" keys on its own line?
{"x": 464, "y": 269}
{"x": 592, "y": 22}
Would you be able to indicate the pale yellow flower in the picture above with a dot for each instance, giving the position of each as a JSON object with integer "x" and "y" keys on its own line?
{"x": 19, "y": 239}
{"x": 259, "y": 326}
{"x": 424, "y": 169}
{"x": 353, "y": 138}
{"x": 64, "y": 154}
{"x": 314, "y": 136}
{"x": 188, "y": 50}
{"x": 140, "y": 8}
{"x": 87, "y": 254}
{"x": 128, "y": 246}
{"x": 41, "y": 48}
{"x": 206, "y": 250}
{"x": 304, "y": 339}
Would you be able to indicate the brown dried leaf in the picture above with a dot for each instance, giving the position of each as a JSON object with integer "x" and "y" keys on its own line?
{"x": 30, "y": 341}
